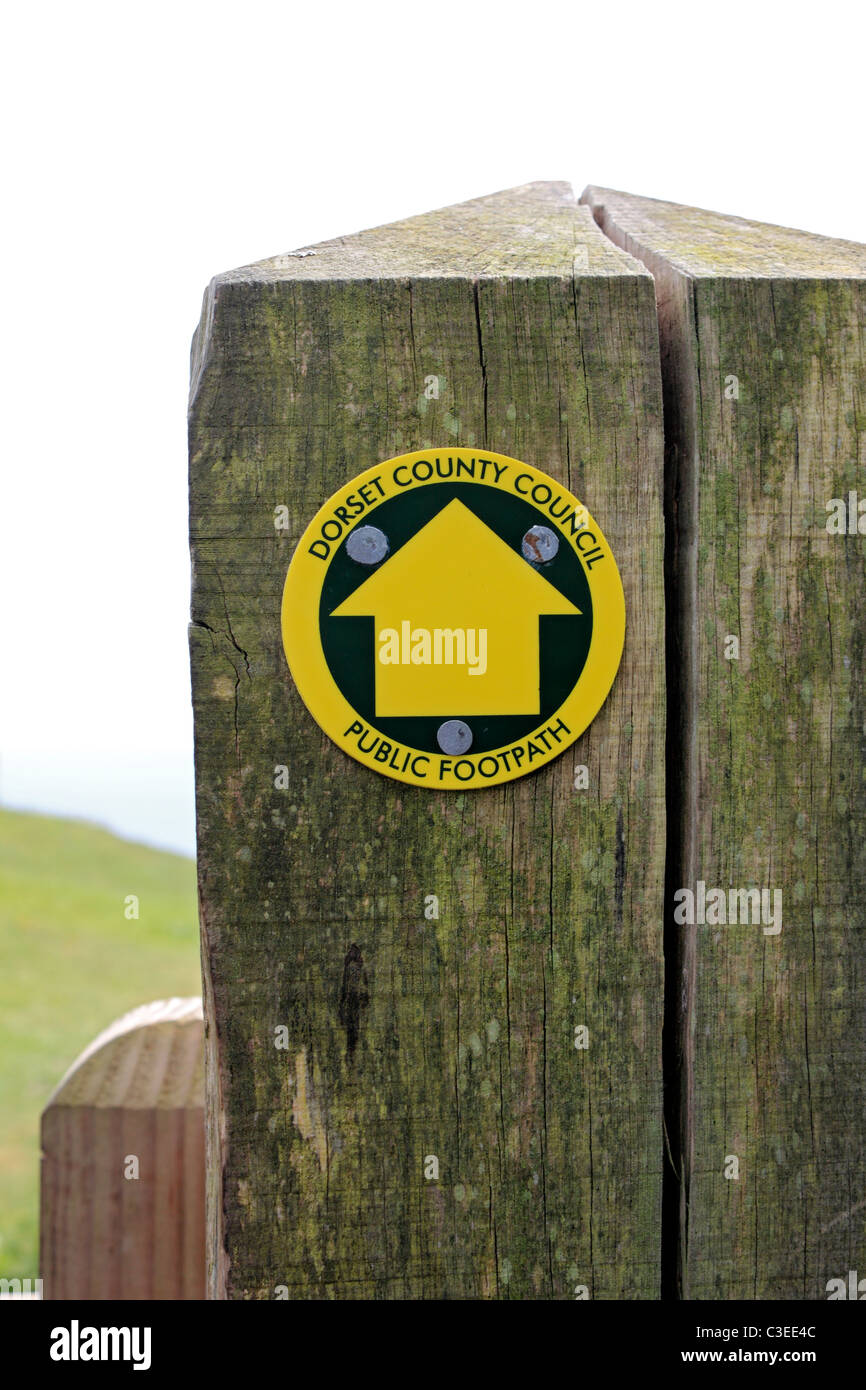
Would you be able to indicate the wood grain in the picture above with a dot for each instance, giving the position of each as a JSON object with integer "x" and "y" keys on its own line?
{"x": 768, "y": 759}
{"x": 138, "y": 1089}
{"x": 307, "y": 369}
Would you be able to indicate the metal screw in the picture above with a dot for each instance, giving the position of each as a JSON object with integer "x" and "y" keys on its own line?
{"x": 539, "y": 544}
{"x": 368, "y": 545}
{"x": 454, "y": 736}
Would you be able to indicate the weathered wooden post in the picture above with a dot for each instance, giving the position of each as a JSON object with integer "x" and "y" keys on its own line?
{"x": 122, "y": 1195}
{"x": 762, "y": 334}
{"x": 433, "y": 1015}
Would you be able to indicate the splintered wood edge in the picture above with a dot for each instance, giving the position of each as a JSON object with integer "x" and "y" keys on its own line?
{"x": 700, "y": 243}
{"x": 151, "y": 1058}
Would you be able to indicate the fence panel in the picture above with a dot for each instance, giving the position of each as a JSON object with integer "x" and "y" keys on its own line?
{"x": 122, "y": 1194}
{"x": 435, "y": 1046}
{"x": 762, "y": 332}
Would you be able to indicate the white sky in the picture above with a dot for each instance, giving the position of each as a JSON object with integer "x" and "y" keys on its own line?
{"x": 149, "y": 147}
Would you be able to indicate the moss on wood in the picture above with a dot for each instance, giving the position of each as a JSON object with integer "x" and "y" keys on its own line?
{"x": 549, "y": 1157}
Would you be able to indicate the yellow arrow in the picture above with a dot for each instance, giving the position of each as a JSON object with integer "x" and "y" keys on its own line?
{"x": 456, "y": 616}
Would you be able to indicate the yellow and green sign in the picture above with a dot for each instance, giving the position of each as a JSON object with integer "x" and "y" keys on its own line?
{"x": 453, "y": 619}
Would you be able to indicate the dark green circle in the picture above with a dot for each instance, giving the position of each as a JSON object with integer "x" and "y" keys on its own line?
{"x": 349, "y": 643}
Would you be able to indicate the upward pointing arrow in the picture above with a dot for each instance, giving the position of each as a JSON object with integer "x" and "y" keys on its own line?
{"x": 457, "y": 578}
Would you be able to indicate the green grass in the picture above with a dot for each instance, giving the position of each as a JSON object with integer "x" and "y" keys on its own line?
{"x": 70, "y": 963}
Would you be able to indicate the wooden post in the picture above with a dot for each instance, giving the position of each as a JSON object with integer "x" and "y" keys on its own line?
{"x": 463, "y": 1143}
{"x": 762, "y": 333}
{"x": 122, "y": 1197}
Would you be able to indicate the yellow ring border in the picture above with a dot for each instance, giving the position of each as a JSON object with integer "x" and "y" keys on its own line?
{"x": 332, "y": 711}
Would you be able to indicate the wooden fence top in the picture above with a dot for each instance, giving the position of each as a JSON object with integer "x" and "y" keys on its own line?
{"x": 537, "y": 229}
{"x": 151, "y": 1058}
{"x": 701, "y": 243}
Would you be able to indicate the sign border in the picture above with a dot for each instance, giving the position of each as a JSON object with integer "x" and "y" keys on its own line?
{"x": 332, "y": 711}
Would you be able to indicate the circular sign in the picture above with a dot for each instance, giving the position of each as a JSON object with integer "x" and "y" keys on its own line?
{"x": 453, "y": 619}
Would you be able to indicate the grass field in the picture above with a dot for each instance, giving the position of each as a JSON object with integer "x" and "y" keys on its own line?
{"x": 70, "y": 962}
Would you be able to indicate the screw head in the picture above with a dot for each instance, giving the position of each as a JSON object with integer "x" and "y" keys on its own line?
{"x": 454, "y": 736}
{"x": 539, "y": 544}
{"x": 367, "y": 545}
